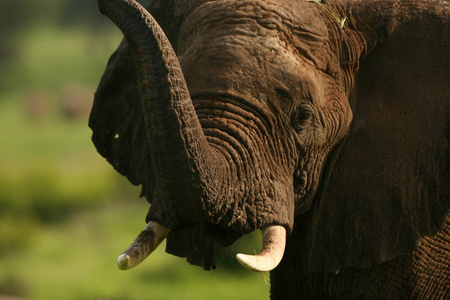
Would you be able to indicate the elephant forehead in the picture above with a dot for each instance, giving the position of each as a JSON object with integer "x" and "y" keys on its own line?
{"x": 253, "y": 18}
{"x": 235, "y": 63}
{"x": 263, "y": 10}
{"x": 240, "y": 34}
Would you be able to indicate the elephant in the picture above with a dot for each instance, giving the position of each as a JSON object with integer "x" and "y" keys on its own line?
{"x": 323, "y": 124}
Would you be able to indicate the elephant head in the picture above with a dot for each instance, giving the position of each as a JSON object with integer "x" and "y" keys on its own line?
{"x": 243, "y": 115}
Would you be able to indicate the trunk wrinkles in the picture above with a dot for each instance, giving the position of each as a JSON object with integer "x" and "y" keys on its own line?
{"x": 216, "y": 173}
{"x": 181, "y": 156}
{"x": 259, "y": 165}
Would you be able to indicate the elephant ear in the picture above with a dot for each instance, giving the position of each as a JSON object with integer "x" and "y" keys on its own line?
{"x": 388, "y": 183}
{"x": 117, "y": 122}
{"x": 116, "y": 118}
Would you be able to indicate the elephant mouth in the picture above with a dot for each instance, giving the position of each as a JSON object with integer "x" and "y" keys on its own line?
{"x": 274, "y": 242}
{"x": 223, "y": 236}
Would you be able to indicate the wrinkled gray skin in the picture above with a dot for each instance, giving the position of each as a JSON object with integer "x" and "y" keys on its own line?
{"x": 341, "y": 135}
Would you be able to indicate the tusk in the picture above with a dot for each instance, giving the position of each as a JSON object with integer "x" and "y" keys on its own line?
{"x": 274, "y": 242}
{"x": 145, "y": 243}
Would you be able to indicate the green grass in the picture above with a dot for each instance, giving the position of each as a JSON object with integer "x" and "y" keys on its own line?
{"x": 49, "y": 166}
{"x": 51, "y": 57}
{"x": 76, "y": 260}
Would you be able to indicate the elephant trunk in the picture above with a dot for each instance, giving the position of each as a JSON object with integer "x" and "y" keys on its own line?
{"x": 186, "y": 167}
{"x": 181, "y": 155}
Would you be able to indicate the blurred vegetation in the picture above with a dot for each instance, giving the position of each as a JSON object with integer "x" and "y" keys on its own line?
{"x": 65, "y": 214}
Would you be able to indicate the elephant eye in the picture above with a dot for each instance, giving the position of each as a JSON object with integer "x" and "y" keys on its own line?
{"x": 301, "y": 118}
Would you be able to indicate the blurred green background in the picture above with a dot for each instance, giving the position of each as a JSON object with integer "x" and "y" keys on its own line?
{"x": 65, "y": 214}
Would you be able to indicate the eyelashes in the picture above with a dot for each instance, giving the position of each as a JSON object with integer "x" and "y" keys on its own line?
{"x": 303, "y": 115}
{"x": 301, "y": 118}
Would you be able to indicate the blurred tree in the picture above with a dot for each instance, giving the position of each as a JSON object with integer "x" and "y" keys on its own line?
{"x": 84, "y": 11}
{"x": 18, "y": 15}
{"x": 14, "y": 15}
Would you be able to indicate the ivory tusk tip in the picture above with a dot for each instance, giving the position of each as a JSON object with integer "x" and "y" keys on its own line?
{"x": 249, "y": 262}
{"x": 123, "y": 262}
{"x": 242, "y": 259}
{"x": 274, "y": 241}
